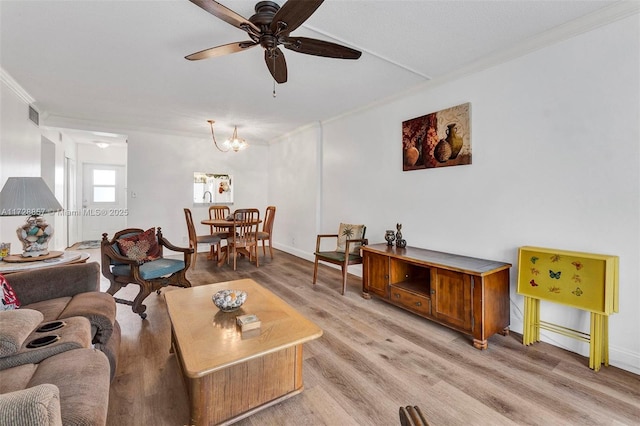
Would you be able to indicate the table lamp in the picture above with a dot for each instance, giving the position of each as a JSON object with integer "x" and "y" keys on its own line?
{"x": 30, "y": 196}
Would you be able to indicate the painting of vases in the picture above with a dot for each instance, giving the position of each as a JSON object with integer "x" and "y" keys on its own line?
{"x": 438, "y": 139}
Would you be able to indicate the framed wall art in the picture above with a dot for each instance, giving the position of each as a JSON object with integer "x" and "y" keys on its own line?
{"x": 438, "y": 139}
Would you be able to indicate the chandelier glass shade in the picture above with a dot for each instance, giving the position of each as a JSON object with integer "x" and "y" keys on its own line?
{"x": 234, "y": 143}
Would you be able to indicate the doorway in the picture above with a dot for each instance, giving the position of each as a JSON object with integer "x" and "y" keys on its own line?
{"x": 104, "y": 201}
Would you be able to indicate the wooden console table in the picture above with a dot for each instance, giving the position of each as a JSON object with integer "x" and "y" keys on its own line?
{"x": 467, "y": 294}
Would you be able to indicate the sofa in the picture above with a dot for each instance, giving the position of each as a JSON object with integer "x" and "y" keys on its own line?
{"x": 59, "y": 350}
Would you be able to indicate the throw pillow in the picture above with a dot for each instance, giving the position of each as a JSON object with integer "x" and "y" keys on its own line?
{"x": 141, "y": 247}
{"x": 9, "y": 297}
{"x": 349, "y": 232}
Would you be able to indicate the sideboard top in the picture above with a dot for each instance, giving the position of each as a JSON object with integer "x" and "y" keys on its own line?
{"x": 437, "y": 258}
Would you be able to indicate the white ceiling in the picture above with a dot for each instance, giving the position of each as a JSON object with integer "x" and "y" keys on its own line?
{"x": 118, "y": 65}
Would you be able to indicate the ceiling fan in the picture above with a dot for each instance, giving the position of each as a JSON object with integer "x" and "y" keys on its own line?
{"x": 270, "y": 27}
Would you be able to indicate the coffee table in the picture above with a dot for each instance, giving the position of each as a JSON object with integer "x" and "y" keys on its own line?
{"x": 229, "y": 374}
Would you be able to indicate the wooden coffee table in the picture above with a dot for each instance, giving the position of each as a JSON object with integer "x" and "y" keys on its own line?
{"x": 229, "y": 374}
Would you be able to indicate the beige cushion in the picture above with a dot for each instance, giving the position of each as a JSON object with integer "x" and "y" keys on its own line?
{"x": 35, "y": 406}
{"x": 15, "y": 326}
{"x": 349, "y": 232}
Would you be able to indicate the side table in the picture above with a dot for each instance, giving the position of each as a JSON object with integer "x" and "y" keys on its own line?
{"x": 67, "y": 257}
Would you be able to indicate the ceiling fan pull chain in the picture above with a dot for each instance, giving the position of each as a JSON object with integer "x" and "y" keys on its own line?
{"x": 274, "y": 80}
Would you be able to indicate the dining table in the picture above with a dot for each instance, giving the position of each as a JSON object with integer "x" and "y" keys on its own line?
{"x": 228, "y": 225}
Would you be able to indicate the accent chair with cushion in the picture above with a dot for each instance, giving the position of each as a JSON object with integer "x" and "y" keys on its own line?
{"x": 347, "y": 252}
{"x": 135, "y": 256}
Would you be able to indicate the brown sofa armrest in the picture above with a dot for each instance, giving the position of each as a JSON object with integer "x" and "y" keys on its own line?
{"x": 59, "y": 281}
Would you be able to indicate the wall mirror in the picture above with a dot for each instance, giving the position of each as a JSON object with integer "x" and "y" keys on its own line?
{"x": 212, "y": 188}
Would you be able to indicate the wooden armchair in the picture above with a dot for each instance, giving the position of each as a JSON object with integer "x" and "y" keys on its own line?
{"x": 349, "y": 239}
{"x": 135, "y": 256}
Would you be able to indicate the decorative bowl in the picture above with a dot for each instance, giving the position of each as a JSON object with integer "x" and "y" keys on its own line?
{"x": 229, "y": 300}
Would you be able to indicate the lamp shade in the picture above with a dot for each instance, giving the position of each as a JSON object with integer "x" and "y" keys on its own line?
{"x": 22, "y": 196}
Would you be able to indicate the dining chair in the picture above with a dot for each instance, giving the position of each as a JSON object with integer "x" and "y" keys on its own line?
{"x": 243, "y": 238}
{"x": 194, "y": 239}
{"x": 219, "y": 213}
{"x": 267, "y": 230}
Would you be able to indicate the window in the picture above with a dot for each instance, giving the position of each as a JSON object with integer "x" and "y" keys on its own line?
{"x": 104, "y": 186}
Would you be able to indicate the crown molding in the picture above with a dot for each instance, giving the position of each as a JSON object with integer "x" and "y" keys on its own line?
{"x": 15, "y": 87}
{"x": 605, "y": 16}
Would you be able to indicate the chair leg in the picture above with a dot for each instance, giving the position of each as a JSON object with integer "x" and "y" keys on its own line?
{"x": 195, "y": 255}
{"x": 315, "y": 270}
{"x": 270, "y": 248}
{"x": 264, "y": 250}
{"x": 255, "y": 250}
{"x": 344, "y": 279}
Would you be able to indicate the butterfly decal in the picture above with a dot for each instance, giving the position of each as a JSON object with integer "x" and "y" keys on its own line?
{"x": 534, "y": 271}
{"x": 534, "y": 259}
{"x": 578, "y": 292}
{"x": 576, "y": 278}
{"x": 554, "y": 290}
{"x": 577, "y": 264}
{"x": 533, "y": 283}
{"x": 555, "y": 275}
{"x": 555, "y": 258}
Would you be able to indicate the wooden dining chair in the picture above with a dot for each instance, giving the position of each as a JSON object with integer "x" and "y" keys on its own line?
{"x": 194, "y": 239}
{"x": 219, "y": 212}
{"x": 267, "y": 230}
{"x": 243, "y": 239}
{"x": 412, "y": 416}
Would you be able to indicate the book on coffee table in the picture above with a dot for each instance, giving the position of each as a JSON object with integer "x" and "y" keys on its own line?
{"x": 248, "y": 322}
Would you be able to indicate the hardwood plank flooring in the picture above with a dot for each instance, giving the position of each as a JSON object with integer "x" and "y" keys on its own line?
{"x": 372, "y": 359}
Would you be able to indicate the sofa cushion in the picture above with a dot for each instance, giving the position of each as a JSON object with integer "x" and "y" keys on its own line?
{"x": 15, "y": 326}
{"x": 16, "y": 378}
{"x": 75, "y": 333}
{"x": 98, "y": 308}
{"x": 82, "y": 377}
{"x": 141, "y": 247}
{"x": 36, "y": 406}
{"x": 51, "y": 308}
{"x": 7, "y": 296}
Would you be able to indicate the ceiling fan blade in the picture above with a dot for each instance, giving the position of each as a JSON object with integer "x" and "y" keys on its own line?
{"x": 226, "y": 14}
{"x": 277, "y": 65}
{"x": 312, "y": 46}
{"x": 225, "y": 49}
{"x": 292, "y": 14}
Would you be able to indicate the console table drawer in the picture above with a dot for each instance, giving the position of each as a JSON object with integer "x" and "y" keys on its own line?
{"x": 409, "y": 300}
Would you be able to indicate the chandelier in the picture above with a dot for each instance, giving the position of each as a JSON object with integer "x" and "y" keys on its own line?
{"x": 233, "y": 143}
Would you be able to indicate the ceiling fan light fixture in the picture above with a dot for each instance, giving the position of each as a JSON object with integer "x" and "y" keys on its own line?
{"x": 234, "y": 143}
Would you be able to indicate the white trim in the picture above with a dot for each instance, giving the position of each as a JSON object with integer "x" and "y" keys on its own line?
{"x": 15, "y": 87}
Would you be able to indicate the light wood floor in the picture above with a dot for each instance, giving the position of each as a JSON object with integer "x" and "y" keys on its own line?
{"x": 372, "y": 359}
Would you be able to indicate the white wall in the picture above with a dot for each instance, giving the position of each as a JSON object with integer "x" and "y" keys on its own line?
{"x": 556, "y": 159}
{"x": 160, "y": 174}
{"x": 19, "y": 152}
